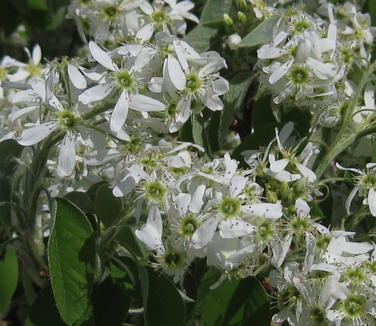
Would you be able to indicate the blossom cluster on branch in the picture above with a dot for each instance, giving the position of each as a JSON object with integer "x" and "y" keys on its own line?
{"x": 116, "y": 114}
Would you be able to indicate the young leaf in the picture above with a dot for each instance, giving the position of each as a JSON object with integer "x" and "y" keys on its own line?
{"x": 71, "y": 253}
{"x": 203, "y": 37}
{"x": 214, "y": 10}
{"x": 8, "y": 279}
{"x": 261, "y": 34}
{"x": 164, "y": 306}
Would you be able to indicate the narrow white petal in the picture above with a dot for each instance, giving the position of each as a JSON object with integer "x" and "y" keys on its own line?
{"x": 34, "y": 135}
{"x": 234, "y": 228}
{"x": 120, "y": 113}
{"x": 95, "y": 93}
{"x": 350, "y": 199}
{"x": 205, "y": 232}
{"x": 37, "y": 54}
{"x": 144, "y": 103}
{"x": 76, "y": 77}
{"x": 269, "y": 52}
{"x": 175, "y": 72}
{"x": 197, "y": 201}
{"x": 101, "y": 56}
{"x": 372, "y": 201}
{"x": 267, "y": 210}
{"x": 280, "y": 72}
{"x": 151, "y": 233}
{"x": 67, "y": 155}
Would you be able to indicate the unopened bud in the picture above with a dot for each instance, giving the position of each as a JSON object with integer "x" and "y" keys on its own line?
{"x": 241, "y": 17}
{"x": 228, "y": 20}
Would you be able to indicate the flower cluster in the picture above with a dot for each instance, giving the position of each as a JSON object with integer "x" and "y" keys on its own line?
{"x": 308, "y": 60}
{"x": 116, "y": 115}
{"x": 116, "y": 21}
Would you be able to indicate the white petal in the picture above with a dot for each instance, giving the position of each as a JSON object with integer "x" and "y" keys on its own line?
{"x": 372, "y": 201}
{"x": 120, "y": 113}
{"x": 37, "y": 54}
{"x": 205, "y": 232}
{"x": 35, "y": 134}
{"x": 144, "y": 103}
{"x": 182, "y": 202}
{"x": 77, "y": 79}
{"x": 267, "y": 210}
{"x": 280, "y": 72}
{"x": 101, "y": 56}
{"x": 175, "y": 72}
{"x": 67, "y": 155}
{"x": 95, "y": 93}
{"x": 280, "y": 249}
{"x": 269, "y": 52}
{"x": 19, "y": 113}
{"x": 306, "y": 172}
{"x": 350, "y": 199}
{"x": 321, "y": 70}
{"x": 197, "y": 201}
{"x": 237, "y": 184}
{"x": 124, "y": 187}
{"x": 234, "y": 228}
{"x": 151, "y": 233}
{"x": 145, "y": 33}
{"x": 302, "y": 208}
{"x": 277, "y": 166}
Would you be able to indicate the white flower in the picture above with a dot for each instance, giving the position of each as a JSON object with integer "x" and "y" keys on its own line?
{"x": 126, "y": 79}
{"x": 365, "y": 186}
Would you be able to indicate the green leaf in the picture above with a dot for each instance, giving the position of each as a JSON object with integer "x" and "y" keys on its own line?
{"x": 198, "y": 130}
{"x": 233, "y": 100}
{"x": 233, "y": 302}
{"x": 261, "y": 34}
{"x": 8, "y": 279}
{"x": 164, "y": 306}
{"x": 82, "y": 200}
{"x": 107, "y": 206}
{"x": 214, "y": 10}
{"x": 37, "y": 4}
{"x": 111, "y": 303}
{"x": 43, "y": 312}
{"x": 9, "y": 150}
{"x": 203, "y": 38}
{"x": 249, "y": 305}
{"x": 372, "y": 11}
{"x": 71, "y": 253}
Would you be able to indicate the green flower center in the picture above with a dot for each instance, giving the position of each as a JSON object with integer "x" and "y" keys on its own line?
{"x": 299, "y": 225}
{"x": 193, "y": 83}
{"x": 188, "y": 225}
{"x": 299, "y": 75}
{"x": 264, "y": 231}
{"x": 3, "y": 73}
{"x": 159, "y": 17}
{"x": 229, "y": 207}
{"x": 301, "y": 26}
{"x": 155, "y": 191}
{"x": 322, "y": 242}
{"x": 173, "y": 259}
{"x": 318, "y": 315}
{"x": 111, "y": 12}
{"x": 67, "y": 119}
{"x": 368, "y": 181}
{"x": 34, "y": 70}
{"x": 354, "y": 306}
{"x": 356, "y": 276}
{"x": 125, "y": 81}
